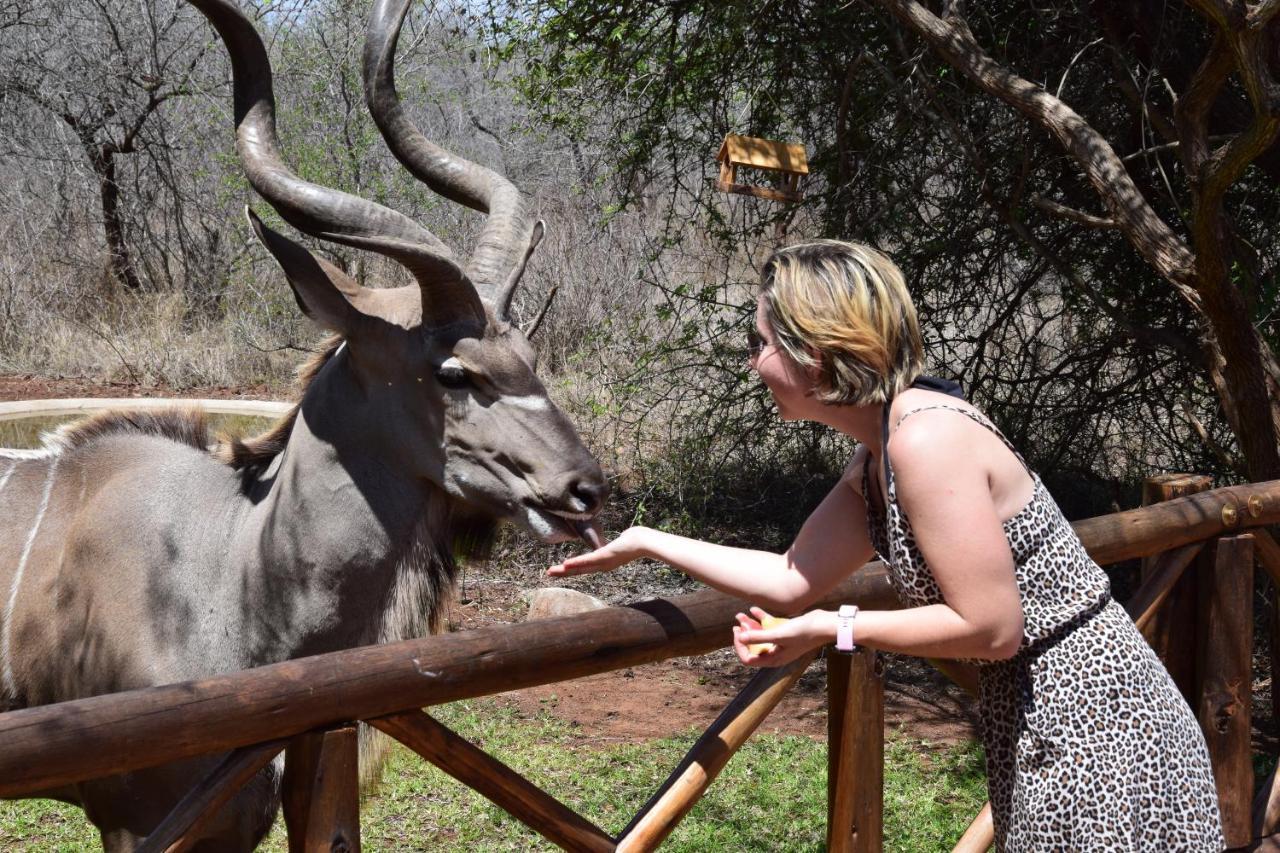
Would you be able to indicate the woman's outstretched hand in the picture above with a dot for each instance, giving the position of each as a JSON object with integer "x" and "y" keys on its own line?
{"x": 627, "y": 547}
{"x": 783, "y": 643}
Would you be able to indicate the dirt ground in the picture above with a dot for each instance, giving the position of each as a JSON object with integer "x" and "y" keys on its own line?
{"x": 657, "y": 700}
{"x": 648, "y": 701}
{"x": 27, "y": 387}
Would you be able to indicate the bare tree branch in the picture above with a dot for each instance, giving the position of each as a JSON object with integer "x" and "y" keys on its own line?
{"x": 1228, "y": 461}
{"x": 1242, "y": 50}
{"x": 1135, "y": 94}
{"x": 1224, "y": 14}
{"x": 1238, "y": 362}
{"x": 1144, "y": 229}
{"x": 1168, "y": 146}
{"x": 1151, "y": 337}
{"x": 1262, "y": 13}
{"x": 1078, "y": 216}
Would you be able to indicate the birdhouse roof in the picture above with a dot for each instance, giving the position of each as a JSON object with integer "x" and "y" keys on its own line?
{"x": 764, "y": 154}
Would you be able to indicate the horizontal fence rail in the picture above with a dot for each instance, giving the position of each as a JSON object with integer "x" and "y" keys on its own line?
{"x": 1181, "y": 521}
{"x": 45, "y": 747}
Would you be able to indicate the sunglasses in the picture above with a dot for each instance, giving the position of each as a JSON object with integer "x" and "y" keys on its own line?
{"x": 755, "y": 343}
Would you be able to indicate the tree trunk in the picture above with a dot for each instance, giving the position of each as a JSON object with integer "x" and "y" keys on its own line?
{"x": 1235, "y": 355}
{"x": 104, "y": 166}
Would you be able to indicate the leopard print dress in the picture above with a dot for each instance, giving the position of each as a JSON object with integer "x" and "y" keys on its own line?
{"x": 1089, "y": 745}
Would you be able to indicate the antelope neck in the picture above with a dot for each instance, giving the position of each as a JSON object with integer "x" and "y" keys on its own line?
{"x": 325, "y": 534}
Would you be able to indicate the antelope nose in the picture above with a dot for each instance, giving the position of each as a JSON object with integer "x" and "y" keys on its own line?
{"x": 590, "y": 493}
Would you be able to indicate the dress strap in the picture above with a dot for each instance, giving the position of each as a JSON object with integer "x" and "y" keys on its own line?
{"x": 866, "y": 485}
{"x": 886, "y": 470}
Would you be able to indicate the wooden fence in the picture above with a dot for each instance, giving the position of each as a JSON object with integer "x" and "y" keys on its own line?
{"x": 307, "y": 707}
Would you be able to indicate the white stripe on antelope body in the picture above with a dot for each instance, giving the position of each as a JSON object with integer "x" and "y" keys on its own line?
{"x": 20, "y": 454}
{"x": 160, "y": 560}
{"x": 13, "y": 466}
{"x": 6, "y": 628}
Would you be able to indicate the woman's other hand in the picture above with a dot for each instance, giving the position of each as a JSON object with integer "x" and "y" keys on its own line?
{"x": 789, "y": 639}
{"x": 627, "y": 547}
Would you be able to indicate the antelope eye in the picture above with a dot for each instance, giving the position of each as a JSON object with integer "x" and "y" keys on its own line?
{"x": 452, "y": 374}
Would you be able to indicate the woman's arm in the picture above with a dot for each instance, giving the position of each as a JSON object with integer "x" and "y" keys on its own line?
{"x": 831, "y": 544}
{"x": 943, "y": 488}
{"x": 933, "y": 631}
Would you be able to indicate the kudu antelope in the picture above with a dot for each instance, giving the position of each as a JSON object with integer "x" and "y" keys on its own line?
{"x": 132, "y": 553}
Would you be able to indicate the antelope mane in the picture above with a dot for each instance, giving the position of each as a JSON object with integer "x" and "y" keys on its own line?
{"x": 252, "y": 455}
{"x": 185, "y": 426}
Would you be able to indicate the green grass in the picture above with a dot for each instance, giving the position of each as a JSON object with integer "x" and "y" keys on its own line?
{"x": 772, "y": 796}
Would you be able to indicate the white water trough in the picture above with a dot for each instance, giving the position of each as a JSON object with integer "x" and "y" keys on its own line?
{"x": 16, "y": 409}
{"x": 22, "y": 422}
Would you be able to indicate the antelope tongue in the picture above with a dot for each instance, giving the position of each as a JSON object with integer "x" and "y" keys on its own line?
{"x": 589, "y": 532}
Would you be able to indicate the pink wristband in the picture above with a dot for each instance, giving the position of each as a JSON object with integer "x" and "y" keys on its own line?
{"x": 844, "y": 627}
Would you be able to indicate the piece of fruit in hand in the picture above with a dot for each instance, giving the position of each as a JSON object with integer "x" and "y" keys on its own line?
{"x": 768, "y": 623}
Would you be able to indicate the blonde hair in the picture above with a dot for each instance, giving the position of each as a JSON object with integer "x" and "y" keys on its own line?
{"x": 844, "y": 309}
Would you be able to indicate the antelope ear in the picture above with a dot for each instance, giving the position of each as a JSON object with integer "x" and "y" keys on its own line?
{"x": 322, "y": 291}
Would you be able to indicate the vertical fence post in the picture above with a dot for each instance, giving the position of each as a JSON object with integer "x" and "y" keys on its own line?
{"x": 1225, "y": 632}
{"x": 839, "y": 763}
{"x": 321, "y": 792}
{"x": 1167, "y": 632}
{"x": 1273, "y": 644}
{"x": 1267, "y": 556}
{"x": 301, "y": 758}
{"x": 855, "y": 752}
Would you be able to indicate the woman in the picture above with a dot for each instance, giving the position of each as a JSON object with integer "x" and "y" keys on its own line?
{"x": 1089, "y": 744}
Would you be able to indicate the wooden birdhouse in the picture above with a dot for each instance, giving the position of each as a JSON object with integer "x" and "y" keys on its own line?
{"x": 786, "y": 159}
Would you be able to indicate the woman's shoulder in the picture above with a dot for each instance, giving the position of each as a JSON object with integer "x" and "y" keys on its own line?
{"x": 932, "y": 433}
{"x": 954, "y": 442}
